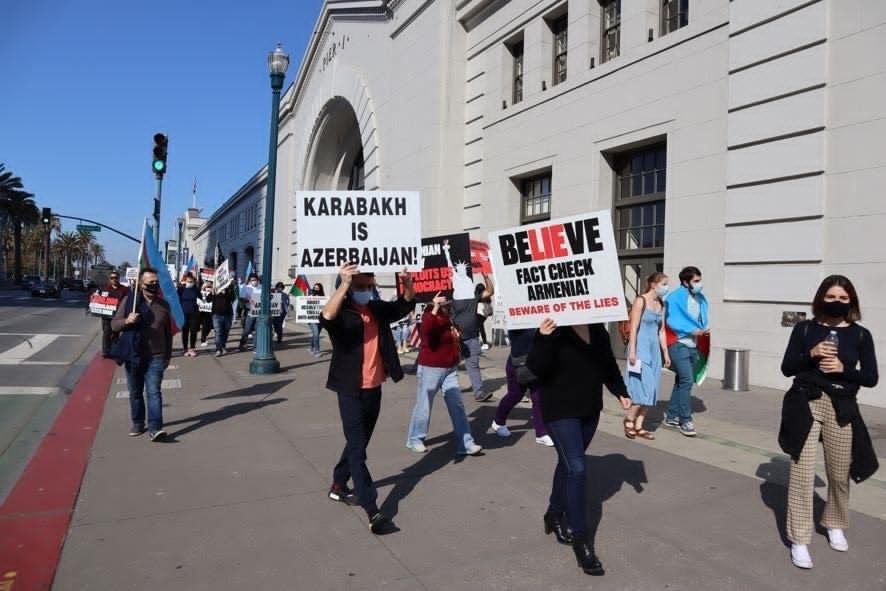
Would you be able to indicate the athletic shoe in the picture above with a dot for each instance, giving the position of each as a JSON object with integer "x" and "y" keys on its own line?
{"x": 380, "y": 524}
{"x": 219, "y": 353}
{"x": 500, "y": 430}
{"x": 800, "y": 556}
{"x": 204, "y": 344}
{"x": 472, "y": 450}
{"x": 158, "y": 435}
{"x": 545, "y": 440}
{"x": 136, "y": 430}
{"x": 671, "y": 423}
{"x": 688, "y": 429}
{"x": 342, "y": 494}
{"x": 484, "y": 347}
{"x": 482, "y": 396}
{"x": 837, "y": 540}
{"x": 418, "y": 447}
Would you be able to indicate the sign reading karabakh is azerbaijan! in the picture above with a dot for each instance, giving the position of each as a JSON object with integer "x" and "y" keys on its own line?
{"x": 380, "y": 231}
{"x": 564, "y": 269}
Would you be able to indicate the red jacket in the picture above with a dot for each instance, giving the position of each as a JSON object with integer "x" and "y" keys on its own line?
{"x": 439, "y": 344}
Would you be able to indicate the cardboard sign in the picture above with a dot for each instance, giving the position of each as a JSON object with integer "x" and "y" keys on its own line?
{"x": 308, "y": 308}
{"x": 203, "y": 305}
{"x": 380, "y": 231}
{"x": 132, "y": 275}
{"x": 564, "y": 269}
{"x": 446, "y": 268}
{"x": 223, "y": 277}
{"x": 207, "y": 274}
{"x": 101, "y": 304}
{"x": 255, "y": 303}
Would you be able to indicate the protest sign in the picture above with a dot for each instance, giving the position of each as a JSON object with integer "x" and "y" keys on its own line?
{"x": 132, "y": 275}
{"x": 276, "y": 304}
{"x": 308, "y": 308}
{"x": 565, "y": 269}
{"x": 207, "y": 274}
{"x": 203, "y": 305}
{"x": 446, "y": 268}
{"x": 480, "y": 257}
{"x": 101, "y": 304}
{"x": 380, "y": 231}
{"x": 223, "y": 277}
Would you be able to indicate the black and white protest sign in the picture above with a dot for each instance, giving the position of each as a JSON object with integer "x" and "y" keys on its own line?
{"x": 445, "y": 268}
{"x": 308, "y": 308}
{"x": 380, "y": 231}
{"x": 564, "y": 269}
{"x": 223, "y": 277}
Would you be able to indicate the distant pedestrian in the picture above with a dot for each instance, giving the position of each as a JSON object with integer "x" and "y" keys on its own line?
{"x": 284, "y": 308}
{"x": 686, "y": 319}
{"x": 465, "y": 319}
{"x": 437, "y": 369}
{"x": 188, "y": 294}
{"x": 223, "y": 316}
{"x": 647, "y": 352}
{"x": 484, "y": 311}
{"x": 204, "y": 304}
{"x": 314, "y": 327}
{"x": 363, "y": 357}
{"x": 572, "y": 364}
{"x": 833, "y": 355}
{"x": 112, "y": 289}
{"x": 251, "y": 295}
{"x": 403, "y": 331}
{"x": 148, "y": 331}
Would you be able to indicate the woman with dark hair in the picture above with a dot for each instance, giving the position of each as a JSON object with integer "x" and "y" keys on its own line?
{"x": 188, "y": 294}
{"x": 314, "y": 327}
{"x": 830, "y": 357}
{"x": 647, "y": 345}
{"x": 572, "y": 364}
{"x": 484, "y": 310}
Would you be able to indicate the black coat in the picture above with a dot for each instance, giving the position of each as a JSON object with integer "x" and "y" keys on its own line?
{"x": 346, "y": 333}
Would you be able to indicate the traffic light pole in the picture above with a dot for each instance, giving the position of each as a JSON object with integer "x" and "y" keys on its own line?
{"x": 157, "y": 209}
{"x": 46, "y": 248}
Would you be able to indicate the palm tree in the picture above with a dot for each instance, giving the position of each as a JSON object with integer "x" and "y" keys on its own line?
{"x": 85, "y": 239}
{"x": 97, "y": 251}
{"x": 20, "y": 209}
{"x": 66, "y": 247}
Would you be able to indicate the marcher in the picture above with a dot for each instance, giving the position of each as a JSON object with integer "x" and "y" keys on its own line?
{"x": 314, "y": 327}
{"x": 113, "y": 289}
{"x": 284, "y": 308}
{"x": 572, "y": 364}
{"x": 403, "y": 332}
{"x": 437, "y": 369}
{"x": 149, "y": 340}
{"x": 830, "y": 358}
{"x": 204, "y": 304}
{"x": 484, "y": 311}
{"x": 520, "y": 381}
{"x": 686, "y": 319}
{"x": 647, "y": 347}
{"x": 251, "y": 295}
{"x": 188, "y": 294}
{"x": 363, "y": 357}
{"x": 465, "y": 319}
{"x": 223, "y": 317}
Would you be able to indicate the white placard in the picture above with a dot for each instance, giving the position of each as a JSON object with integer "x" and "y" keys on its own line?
{"x": 308, "y": 308}
{"x": 223, "y": 277}
{"x": 564, "y": 269}
{"x": 132, "y": 275}
{"x": 203, "y": 305}
{"x": 378, "y": 230}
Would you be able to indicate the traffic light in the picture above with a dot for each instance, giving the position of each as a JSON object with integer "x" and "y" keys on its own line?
{"x": 46, "y": 216}
{"x": 158, "y": 164}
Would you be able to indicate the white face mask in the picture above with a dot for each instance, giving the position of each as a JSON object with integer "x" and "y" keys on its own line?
{"x": 662, "y": 291}
{"x": 253, "y": 283}
{"x": 189, "y": 284}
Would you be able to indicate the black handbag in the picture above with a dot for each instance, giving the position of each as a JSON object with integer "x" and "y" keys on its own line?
{"x": 524, "y": 375}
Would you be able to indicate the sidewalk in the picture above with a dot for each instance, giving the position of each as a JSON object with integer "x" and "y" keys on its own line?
{"x": 237, "y": 498}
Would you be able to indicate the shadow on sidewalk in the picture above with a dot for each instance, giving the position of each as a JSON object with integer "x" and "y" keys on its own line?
{"x": 605, "y": 477}
{"x": 265, "y": 389}
{"x": 214, "y": 416}
{"x": 655, "y": 416}
{"x": 774, "y": 493}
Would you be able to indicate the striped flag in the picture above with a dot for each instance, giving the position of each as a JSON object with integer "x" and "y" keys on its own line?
{"x": 300, "y": 286}
{"x": 249, "y": 269}
{"x": 703, "y": 348}
{"x": 149, "y": 256}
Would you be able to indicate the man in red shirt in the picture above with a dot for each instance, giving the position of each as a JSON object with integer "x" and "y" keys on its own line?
{"x": 114, "y": 289}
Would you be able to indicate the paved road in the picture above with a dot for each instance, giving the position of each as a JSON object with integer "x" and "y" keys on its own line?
{"x": 44, "y": 347}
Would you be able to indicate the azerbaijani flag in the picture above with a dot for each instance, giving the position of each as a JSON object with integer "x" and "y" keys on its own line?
{"x": 249, "y": 270}
{"x": 703, "y": 348}
{"x": 300, "y": 287}
{"x": 149, "y": 256}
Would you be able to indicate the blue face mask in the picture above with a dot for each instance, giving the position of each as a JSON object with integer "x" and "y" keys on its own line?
{"x": 696, "y": 288}
{"x": 662, "y": 290}
{"x": 361, "y": 297}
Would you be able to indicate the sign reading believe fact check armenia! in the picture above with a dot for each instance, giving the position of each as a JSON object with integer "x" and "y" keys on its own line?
{"x": 380, "y": 231}
{"x": 564, "y": 269}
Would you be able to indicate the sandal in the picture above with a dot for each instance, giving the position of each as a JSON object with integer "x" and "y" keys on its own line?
{"x": 630, "y": 432}
{"x": 647, "y": 435}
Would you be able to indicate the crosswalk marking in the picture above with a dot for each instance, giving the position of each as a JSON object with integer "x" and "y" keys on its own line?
{"x": 27, "y": 390}
{"x": 32, "y": 346}
{"x": 173, "y": 384}
{"x": 30, "y": 334}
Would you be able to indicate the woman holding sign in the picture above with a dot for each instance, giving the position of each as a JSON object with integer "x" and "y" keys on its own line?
{"x": 572, "y": 364}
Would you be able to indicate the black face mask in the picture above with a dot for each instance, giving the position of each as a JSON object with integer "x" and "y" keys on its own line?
{"x": 152, "y": 288}
{"x": 836, "y": 309}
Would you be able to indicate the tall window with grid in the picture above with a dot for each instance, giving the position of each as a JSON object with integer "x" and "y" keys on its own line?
{"x": 559, "y": 27}
{"x": 640, "y": 201}
{"x": 674, "y": 15}
{"x": 611, "y": 30}
{"x": 516, "y": 50}
{"x": 535, "y": 199}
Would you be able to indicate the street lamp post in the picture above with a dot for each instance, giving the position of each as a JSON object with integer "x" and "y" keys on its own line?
{"x": 264, "y": 361}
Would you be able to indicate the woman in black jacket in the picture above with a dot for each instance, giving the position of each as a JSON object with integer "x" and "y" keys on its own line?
{"x": 831, "y": 355}
{"x": 572, "y": 364}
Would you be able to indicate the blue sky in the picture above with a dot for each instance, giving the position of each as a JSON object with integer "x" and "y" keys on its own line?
{"x": 86, "y": 84}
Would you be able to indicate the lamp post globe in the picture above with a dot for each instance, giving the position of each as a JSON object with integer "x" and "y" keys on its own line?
{"x": 264, "y": 361}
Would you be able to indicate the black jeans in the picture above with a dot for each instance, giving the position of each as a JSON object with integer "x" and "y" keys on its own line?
{"x": 359, "y": 413}
{"x": 109, "y": 337}
{"x": 568, "y": 491}
{"x": 189, "y": 330}
{"x": 205, "y": 325}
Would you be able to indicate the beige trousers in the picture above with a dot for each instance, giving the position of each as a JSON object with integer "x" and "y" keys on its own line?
{"x": 837, "y": 442}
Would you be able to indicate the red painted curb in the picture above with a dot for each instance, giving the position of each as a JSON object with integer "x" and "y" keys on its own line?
{"x": 34, "y": 518}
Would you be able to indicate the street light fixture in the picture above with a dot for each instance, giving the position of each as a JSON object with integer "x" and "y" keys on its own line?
{"x": 264, "y": 361}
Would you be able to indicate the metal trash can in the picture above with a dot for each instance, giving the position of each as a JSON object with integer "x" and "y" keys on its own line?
{"x": 736, "y": 370}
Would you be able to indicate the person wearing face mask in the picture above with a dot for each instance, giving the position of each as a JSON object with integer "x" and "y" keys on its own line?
{"x": 146, "y": 317}
{"x": 686, "y": 319}
{"x": 363, "y": 357}
{"x": 437, "y": 369}
{"x": 284, "y": 308}
{"x": 116, "y": 290}
{"x": 204, "y": 304}
{"x": 188, "y": 294}
{"x": 647, "y": 346}
{"x": 314, "y": 327}
{"x": 251, "y": 294}
{"x": 830, "y": 357}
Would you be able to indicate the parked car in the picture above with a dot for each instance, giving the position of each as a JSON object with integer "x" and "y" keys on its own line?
{"x": 46, "y": 289}
{"x": 28, "y": 281}
{"x": 73, "y": 284}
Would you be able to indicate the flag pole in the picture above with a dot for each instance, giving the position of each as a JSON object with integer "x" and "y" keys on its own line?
{"x": 141, "y": 250}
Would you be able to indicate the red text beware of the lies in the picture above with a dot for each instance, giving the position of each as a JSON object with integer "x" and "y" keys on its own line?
{"x": 536, "y": 309}
{"x": 551, "y": 242}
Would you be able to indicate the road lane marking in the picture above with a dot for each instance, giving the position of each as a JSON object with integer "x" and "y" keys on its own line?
{"x": 30, "y": 334}
{"x": 28, "y": 390}
{"x": 28, "y": 348}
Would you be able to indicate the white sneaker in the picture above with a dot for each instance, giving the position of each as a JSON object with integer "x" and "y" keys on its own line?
{"x": 800, "y": 556}
{"x": 545, "y": 440}
{"x": 484, "y": 347}
{"x": 418, "y": 447}
{"x": 837, "y": 540}
{"x": 472, "y": 450}
{"x": 500, "y": 430}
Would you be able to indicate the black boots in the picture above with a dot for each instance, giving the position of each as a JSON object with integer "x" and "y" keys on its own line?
{"x": 556, "y": 523}
{"x": 586, "y": 558}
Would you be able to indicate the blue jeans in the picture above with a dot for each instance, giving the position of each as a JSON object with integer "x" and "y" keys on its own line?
{"x": 314, "y": 327}
{"x": 568, "y": 491}
{"x": 470, "y": 352}
{"x": 683, "y": 359}
{"x": 359, "y": 413}
{"x": 222, "y": 325}
{"x": 248, "y": 329}
{"x": 430, "y": 380}
{"x": 143, "y": 378}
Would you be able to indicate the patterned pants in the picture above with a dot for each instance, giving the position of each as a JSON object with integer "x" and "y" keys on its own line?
{"x": 837, "y": 442}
